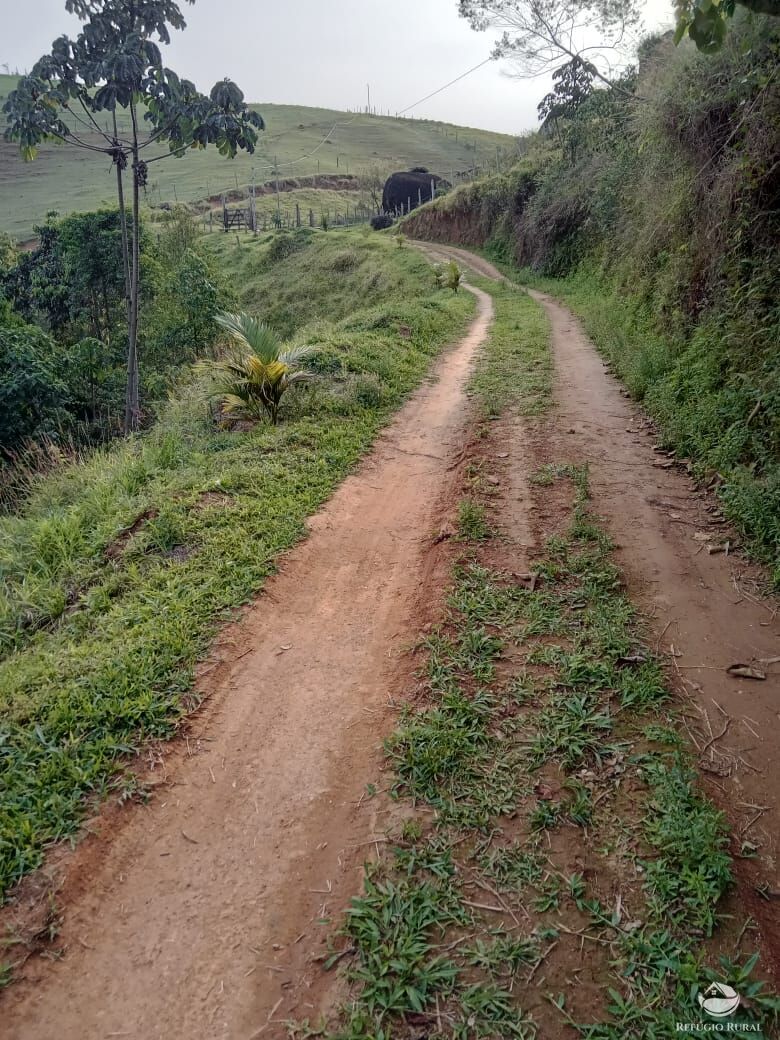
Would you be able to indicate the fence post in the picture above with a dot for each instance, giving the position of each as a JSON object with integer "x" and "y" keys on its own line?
{"x": 297, "y": 215}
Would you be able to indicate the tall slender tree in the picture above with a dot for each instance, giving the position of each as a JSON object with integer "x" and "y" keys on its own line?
{"x": 115, "y": 64}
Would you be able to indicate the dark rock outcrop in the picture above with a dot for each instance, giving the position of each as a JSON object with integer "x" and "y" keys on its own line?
{"x": 405, "y": 191}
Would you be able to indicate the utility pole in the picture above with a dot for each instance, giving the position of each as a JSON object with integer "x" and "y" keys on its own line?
{"x": 278, "y": 200}
{"x": 253, "y": 204}
{"x": 368, "y": 98}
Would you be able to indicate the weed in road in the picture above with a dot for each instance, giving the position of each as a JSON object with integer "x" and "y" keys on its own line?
{"x": 571, "y": 863}
{"x": 472, "y": 525}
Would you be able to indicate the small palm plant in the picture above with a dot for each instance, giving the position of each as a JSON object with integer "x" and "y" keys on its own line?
{"x": 447, "y": 277}
{"x": 252, "y": 379}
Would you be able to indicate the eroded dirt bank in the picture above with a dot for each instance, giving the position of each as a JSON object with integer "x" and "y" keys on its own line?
{"x": 195, "y": 916}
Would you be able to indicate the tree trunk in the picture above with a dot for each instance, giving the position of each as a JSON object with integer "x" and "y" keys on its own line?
{"x": 132, "y": 402}
{"x": 120, "y": 191}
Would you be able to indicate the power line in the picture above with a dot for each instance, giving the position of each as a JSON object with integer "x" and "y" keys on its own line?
{"x": 324, "y": 141}
{"x": 446, "y": 85}
{"x": 301, "y": 158}
{"x": 308, "y": 155}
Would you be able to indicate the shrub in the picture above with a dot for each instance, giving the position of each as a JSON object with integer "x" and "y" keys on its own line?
{"x": 381, "y": 221}
{"x": 325, "y": 361}
{"x": 31, "y": 392}
{"x": 345, "y": 261}
{"x": 447, "y": 276}
{"x": 367, "y": 391}
{"x": 285, "y": 243}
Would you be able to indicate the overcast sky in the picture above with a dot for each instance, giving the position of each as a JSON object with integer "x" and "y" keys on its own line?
{"x": 324, "y": 52}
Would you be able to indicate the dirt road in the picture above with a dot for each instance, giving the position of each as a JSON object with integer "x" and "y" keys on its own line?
{"x": 195, "y": 917}
{"x": 704, "y": 607}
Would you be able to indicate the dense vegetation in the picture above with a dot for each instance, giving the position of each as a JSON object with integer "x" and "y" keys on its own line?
{"x": 656, "y": 207}
{"x": 63, "y": 322}
{"x": 117, "y": 569}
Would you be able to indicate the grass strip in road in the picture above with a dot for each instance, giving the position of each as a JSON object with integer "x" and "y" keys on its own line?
{"x": 567, "y": 818}
{"x": 517, "y": 369}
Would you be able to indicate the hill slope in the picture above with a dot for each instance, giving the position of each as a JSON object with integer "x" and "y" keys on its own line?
{"x": 303, "y": 141}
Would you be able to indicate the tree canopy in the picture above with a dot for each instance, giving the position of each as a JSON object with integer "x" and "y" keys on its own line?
{"x": 539, "y": 36}
{"x": 707, "y": 21}
{"x": 115, "y": 63}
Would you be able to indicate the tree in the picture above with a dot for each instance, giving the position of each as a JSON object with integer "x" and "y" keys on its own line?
{"x": 706, "y": 21}
{"x": 573, "y": 85}
{"x": 91, "y": 247}
{"x": 72, "y": 282}
{"x": 541, "y": 35}
{"x": 9, "y": 252}
{"x": 115, "y": 64}
{"x": 36, "y": 286}
{"x": 584, "y": 119}
{"x": 371, "y": 182}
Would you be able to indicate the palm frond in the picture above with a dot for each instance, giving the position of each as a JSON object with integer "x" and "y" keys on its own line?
{"x": 252, "y": 333}
{"x": 236, "y": 404}
{"x": 254, "y": 375}
{"x": 294, "y": 355}
{"x": 299, "y": 376}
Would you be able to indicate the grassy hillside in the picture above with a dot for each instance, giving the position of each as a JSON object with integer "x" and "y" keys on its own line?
{"x": 66, "y": 179}
{"x": 657, "y": 221}
{"x": 118, "y": 568}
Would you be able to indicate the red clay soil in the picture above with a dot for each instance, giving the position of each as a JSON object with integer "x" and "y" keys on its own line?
{"x": 196, "y": 916}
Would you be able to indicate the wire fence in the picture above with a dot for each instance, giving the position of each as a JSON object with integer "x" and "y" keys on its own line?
{"x": 243, "y": 214}
{"x": 295, "y": 216}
